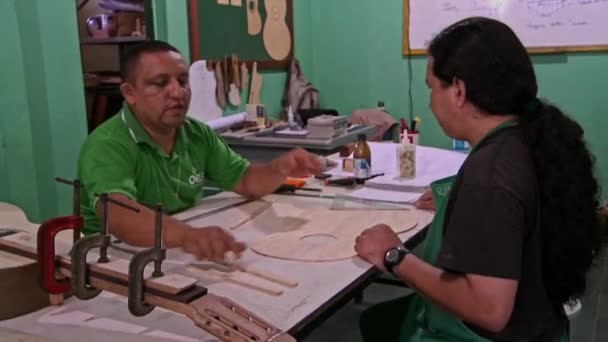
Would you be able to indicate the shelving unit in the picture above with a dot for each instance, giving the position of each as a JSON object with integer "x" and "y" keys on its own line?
{"x": 104, "y": 99}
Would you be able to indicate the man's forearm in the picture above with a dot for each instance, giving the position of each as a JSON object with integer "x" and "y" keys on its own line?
{"x": 260, "y": 180}
{"x": 137, "y": 229}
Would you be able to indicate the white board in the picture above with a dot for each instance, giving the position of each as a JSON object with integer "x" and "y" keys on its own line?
{"x": 559, "y": 24}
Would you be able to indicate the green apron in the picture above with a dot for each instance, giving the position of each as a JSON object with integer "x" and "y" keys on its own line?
{"x": 426, "y": 321}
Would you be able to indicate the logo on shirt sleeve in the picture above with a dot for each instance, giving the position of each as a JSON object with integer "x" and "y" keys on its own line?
{"x": 196, "y": 178}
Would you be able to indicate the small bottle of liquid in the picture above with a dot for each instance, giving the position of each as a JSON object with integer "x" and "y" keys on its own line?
{"x": 363, "y": 160}
{"x": 381, "y": 106}
{"x": 406, "y": 159}
{"x": 260, "y": 116}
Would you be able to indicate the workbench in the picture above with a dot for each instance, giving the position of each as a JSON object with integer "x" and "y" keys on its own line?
{"x": 323, "y": 288}
{"x": 265, "y": 147}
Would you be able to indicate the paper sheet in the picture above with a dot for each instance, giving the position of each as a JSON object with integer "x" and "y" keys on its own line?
{"x": 227, "y": 121}
{"x": 385, "y": 195}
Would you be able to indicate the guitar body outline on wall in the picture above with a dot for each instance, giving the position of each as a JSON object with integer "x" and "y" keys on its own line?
{"x": 277, "y": 37}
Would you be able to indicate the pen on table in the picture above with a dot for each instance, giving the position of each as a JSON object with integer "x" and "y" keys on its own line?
{"x": 348, "y": 181}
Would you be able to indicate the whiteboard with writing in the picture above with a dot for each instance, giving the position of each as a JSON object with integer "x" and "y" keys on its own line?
{"x": 559, "y": 24}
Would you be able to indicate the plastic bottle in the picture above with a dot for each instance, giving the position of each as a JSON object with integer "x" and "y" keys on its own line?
{"x": 406, "y": 159}
{"x": 363, "y": 159}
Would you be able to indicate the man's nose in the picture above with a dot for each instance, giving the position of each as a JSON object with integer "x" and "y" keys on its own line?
{"x": 174, "y": 89}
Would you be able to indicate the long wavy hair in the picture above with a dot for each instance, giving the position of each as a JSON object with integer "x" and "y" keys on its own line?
{"x": 498, "y": 73}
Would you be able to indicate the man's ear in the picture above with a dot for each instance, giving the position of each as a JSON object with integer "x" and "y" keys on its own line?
{"x": 459, "y": 92}
{"x": 127, "y": 91}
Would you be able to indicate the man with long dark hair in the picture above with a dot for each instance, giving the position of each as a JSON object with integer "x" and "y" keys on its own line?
{"x": 516, "y": 229}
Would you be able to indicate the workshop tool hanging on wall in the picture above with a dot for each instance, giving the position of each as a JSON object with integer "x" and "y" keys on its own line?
{"x": 234, "y": 95}
{"x": 256, "y": 85}
{"x": 219, "y": 316}
{"x": 82, "y": 289}
{"x": 137, "y": 306}
{"x": 254, "y": 20}
{"x": 244, "y": 75}
{"x": 221, "y": 92}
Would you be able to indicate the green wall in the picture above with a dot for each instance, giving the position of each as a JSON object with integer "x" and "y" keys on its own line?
{"x": 171, "y": 23}
{"x": 43, "y": 120}
{"x": 355, "y": 60}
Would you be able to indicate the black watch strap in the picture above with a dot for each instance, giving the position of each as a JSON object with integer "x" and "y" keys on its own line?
{"x": 394, "y": 256}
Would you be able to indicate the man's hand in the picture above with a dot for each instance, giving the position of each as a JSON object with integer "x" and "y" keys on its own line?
{"x": 373, "y": 243}
{"x": 210, "y": 243}
{"x": 425, "y": 201}
{"x": 297, "y": 163}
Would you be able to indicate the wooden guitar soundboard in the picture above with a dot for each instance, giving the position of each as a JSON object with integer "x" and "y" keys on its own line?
{"x": 323, "y": 234}
{"x": 217, "y": 315}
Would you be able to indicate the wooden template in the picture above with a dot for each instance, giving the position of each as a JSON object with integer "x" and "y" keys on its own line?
{"x": 256, "y": 85}
{"x": 254, "y": 20}
{"x": 277, "y": 38}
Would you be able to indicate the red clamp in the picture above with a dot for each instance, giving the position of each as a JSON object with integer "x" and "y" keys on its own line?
{"x": 46, "y": 250}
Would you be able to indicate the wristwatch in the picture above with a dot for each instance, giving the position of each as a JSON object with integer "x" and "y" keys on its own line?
{"x": 393, "y": 257}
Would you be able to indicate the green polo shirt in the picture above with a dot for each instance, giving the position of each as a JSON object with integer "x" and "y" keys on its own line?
{"x": 120, "y": 157}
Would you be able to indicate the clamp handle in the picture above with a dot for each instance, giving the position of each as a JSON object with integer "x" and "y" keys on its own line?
{"x": 46, "y": 250}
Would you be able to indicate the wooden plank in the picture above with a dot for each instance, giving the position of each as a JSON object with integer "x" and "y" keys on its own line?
{"x": 170, "y": 283}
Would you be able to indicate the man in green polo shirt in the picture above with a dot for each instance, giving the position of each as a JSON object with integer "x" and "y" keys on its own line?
{"x": 150, "y": 152}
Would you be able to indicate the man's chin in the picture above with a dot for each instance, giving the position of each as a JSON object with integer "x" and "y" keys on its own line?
{"x": 174, "y": 120}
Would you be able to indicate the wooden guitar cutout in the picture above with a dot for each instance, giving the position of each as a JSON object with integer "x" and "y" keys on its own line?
{"x": 277, "y": 38}
{"x": 254, "y": 20}
{"x": 329, "y": 235}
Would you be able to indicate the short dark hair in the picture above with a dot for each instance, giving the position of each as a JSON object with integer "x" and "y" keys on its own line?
{"x": 129, "y": 59}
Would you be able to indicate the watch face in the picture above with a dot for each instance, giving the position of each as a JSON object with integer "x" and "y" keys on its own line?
{"x": 392, "y": 255}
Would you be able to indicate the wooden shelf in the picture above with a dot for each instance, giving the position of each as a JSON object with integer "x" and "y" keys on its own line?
{"x": 111, "y": 40}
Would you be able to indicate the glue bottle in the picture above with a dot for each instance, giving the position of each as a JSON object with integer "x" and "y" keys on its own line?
{"x": 406, "y": 159}
{"x": 363, "y": 160}
{"x": 260, "y": 116}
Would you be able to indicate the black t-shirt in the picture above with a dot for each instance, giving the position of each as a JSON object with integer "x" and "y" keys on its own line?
{"x": 491, "y": 229}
